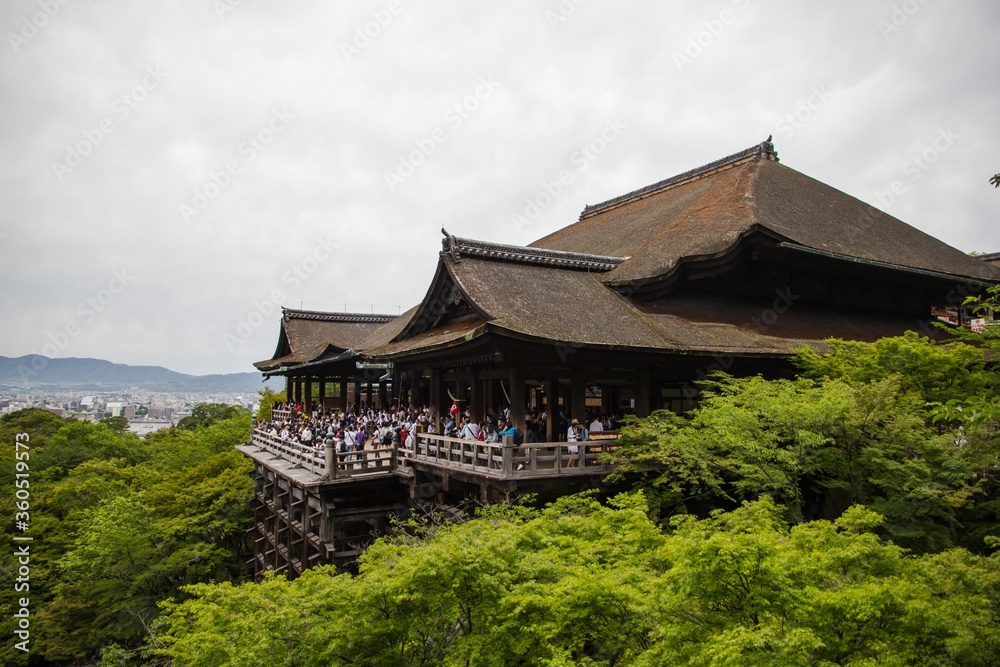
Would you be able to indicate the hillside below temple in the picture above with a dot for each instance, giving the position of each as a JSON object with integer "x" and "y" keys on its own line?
{"x": 730, "y": 266}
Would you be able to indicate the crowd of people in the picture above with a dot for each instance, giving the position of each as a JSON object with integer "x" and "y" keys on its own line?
{"x": 361, "y": 427}
{"x": 356, "y": 429}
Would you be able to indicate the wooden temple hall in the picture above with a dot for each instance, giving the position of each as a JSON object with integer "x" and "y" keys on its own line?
{"x": 730, "y": 266}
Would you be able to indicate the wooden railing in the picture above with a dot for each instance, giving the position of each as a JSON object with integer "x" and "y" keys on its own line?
{"x": 341, "y": 464}
{"x": 283, "y": 414}
{"x": 501, "y": 460}
{"x": 509, "y": 461}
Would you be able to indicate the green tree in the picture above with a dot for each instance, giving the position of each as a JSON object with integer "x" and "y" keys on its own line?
{"x": 935, "y": 371}
{"x": 117, "y": 424}
{"x": 206, "y": 414}
{"x": 578, "y": 583}
{"x": 744, "y": 588}
{"x": 268, "y": 398}
{"x": 121, "y": 523}
{"x": 820, "y": 446}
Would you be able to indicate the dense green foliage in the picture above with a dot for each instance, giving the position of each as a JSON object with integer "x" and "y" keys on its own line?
{"x": 865, "y": 425}
{"x": 209, "y": 413}
{"x": 579, "y": 583}
{"x": 119, "y": 524}
{"x": 268, "y": 398}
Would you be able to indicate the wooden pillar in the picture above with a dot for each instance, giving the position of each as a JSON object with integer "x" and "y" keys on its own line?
{"x": 435, "y": 399}
{"x": 552, "y": 408}
{"x": 642, "y": 394}
{"x": 414, "y": 396}
{"x": 357, "y": 393}
{"x": 487, "y": 389}
{"x": 288, "y": 388}
{"x": 368, "y": 394}
{"x": 517, "y": 397}
{"x": 307, "y": 398}
{"x": 322, "y": 395}
{"x": 343, "y": 394}
{"x": 298, "y": 391}
{"x": 397, "y": 386}
{"x": 476, "y": 399}
{"x": 578, "y": 397}
{"x": 383, "y": 395}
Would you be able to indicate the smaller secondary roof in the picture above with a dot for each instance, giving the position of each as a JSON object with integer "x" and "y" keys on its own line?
{"x": 309, "y": 335}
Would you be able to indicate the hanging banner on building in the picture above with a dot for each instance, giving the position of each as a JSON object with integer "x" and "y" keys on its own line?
{"x": 362, "y": 365}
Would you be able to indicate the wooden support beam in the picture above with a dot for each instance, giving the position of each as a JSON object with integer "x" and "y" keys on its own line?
{"x": 578, "y": 397}
{"x": 516, "y": 391}
{"x": 552, "y": 408}
{"x": 435, "y": 402}
{"x": 477, "y": 404}
{"x": 642, "y": 391}
{"x": 414, "y": 396}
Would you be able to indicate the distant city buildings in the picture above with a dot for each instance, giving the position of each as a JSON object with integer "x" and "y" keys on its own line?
{"x": 146, "y": 411}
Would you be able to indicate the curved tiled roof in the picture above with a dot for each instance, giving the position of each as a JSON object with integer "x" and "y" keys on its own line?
{"x": 558, "y": 289}
{"x": 309, "y": 335}
{"x": 705, "y": 212}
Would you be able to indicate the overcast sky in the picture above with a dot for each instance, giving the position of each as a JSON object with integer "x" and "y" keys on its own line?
{"x": 170, "y": 170}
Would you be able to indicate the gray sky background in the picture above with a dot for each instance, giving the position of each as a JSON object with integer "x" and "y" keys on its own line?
{"x": 169, "y": 170}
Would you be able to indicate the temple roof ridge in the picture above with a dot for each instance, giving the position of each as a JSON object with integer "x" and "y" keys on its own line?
{"x": 458, "y": 247}
{"x": 323, "y": 316}
{"x": 764, "y": 149}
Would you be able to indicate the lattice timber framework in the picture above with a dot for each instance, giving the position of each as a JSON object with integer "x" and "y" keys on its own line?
{"x": 312, "y": 510}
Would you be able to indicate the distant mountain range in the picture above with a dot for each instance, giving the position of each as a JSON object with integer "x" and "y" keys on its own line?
{"x": 36, "y": 371}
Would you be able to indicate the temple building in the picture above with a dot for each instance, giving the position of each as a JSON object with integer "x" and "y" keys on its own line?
{"x": 730, "y": 266}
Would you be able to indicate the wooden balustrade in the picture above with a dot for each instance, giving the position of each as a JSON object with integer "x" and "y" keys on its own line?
{"x": 500, "y": 460}
{"x": 509, "y": 461}
{"x": 367, "y": 461}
